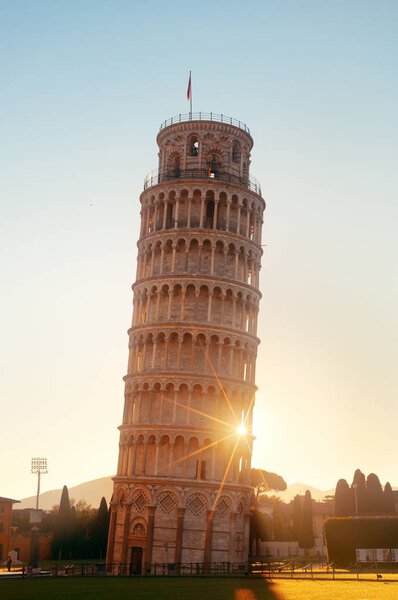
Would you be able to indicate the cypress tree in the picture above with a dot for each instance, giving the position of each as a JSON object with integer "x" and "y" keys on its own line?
{"x": 388, "y": 499}
{"x": 375, "y": 498}
{"x": 100, "y": 530}
{"x": 306, "y": 540}
{"x": 62, "y": 537}
{"x": 360, "y": 492}
{"x": 297, "y": 517}
{"x": 344, "y": 500}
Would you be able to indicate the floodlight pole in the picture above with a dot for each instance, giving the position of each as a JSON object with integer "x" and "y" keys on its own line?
{"x": 39, "y": 466}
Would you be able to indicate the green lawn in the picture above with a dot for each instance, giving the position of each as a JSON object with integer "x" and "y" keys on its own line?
{"x": 186, "y": 588}
{"x": 335, "y": 590}
{"x": 123, "y": 588}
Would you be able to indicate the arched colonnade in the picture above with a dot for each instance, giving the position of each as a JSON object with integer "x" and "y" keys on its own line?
{"x": 202, "y": 209}
{"x": 196, "y": 302}
{"x": 199, "y": 255}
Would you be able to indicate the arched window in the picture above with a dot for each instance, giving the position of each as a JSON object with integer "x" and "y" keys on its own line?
{"x": 235, "y": 152}
{"x": 176, "y": 166}
{"x": 213, "y": 166}
{"x": 169, "y": 216}
{"x": 193, "y": 146}
{"x": 209, "y": 214}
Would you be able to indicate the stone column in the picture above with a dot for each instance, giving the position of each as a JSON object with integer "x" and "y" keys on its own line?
{"x": 165, "y": 205}
{"x": 161, "y": 259}
{"x": 176, "y": 215}
{"x": 149, "y": 537}
{"x": 239, "y": 208}
{"x": 126, "y": 528}
{"x": 215, "y": 215}
{"x": 202, "y": 212}
{"x": 155, "y": 218}
{"x": 190, "y": 199}
{"x": 232, "y": 529}
{"x": 212, "y": 260}
{"x": 209, "y": 305}
{"x": 228, "y": 213}
{"x": 208, "y": 536}
{"x": 179, "y": 532}
{"x": 173, "y": 258}
{"x": 111, "y": 534}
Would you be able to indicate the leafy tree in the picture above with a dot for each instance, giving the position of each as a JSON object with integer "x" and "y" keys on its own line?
{"x": 306, "y": 539}
{"x": 278, "y": 522}
{"x": 260, "y": 524}
{"x": 265, "y": 481}
{"x": 297, "y": 517}
{"x": 344, "y": 499}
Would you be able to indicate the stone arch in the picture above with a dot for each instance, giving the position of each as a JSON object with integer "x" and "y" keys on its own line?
{"x": 193, "y": 145}
{"x": 190, "y": 303}
{"x": 182, "y": 406}
{"x": 181, "y": 256}
{"x": 168, "y": 403}
{"x": 196, "y": 208}
{"x": 205, "y": 258}
{"x": 186, "y": 352}
{"x": 192, "y": 460}
{"x": 172, "y": 352}
{"x": 193, "y": 257}
{"x": 210, "y": 208}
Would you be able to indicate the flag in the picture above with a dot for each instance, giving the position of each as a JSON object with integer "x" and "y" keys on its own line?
{"x": 189, "y": 87}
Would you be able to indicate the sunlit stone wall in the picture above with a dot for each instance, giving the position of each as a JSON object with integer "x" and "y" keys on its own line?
{"x": 181, "y": 493}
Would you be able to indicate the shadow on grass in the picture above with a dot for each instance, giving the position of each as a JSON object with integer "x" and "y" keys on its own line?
{"x": 126, "y": 588}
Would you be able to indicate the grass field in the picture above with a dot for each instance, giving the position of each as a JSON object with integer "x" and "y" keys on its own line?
{"x": 97, "y": 588}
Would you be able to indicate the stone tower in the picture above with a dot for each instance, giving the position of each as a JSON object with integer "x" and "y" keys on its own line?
{"x": 182, "y": 493}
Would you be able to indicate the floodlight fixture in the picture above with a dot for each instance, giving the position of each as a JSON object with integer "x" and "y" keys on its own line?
{"x": 38, "y": 467}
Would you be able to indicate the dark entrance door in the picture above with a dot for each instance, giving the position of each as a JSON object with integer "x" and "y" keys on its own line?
{"x": 136, "y": 560}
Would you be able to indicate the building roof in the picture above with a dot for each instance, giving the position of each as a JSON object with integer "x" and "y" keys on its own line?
{"x": 8, "y": 500}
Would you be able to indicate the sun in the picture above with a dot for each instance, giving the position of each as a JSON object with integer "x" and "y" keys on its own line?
{"x": 241, "y": 430}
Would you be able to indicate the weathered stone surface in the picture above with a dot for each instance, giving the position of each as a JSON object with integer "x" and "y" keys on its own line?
{"x": 181, "y": 493}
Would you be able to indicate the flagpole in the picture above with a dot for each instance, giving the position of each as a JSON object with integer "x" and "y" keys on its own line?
{"x": 190, "y": 96}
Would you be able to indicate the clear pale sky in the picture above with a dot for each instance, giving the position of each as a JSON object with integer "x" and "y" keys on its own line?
{"x": 84, "y": 87}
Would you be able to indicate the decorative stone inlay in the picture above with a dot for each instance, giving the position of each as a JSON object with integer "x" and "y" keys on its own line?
{"x": 167, "y": 502}
{"x": 197, "y": 504}
{"x": 223, "y": 506}
{"x": 139, "y": 501}
{"x": 139, "y": 529}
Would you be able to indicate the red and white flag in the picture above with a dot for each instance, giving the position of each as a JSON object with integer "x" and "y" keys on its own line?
{"x": 189, "y": 87}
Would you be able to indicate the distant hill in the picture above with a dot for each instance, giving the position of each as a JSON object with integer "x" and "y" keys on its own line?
{"x": 91, "y": 491}
{"x": 300, "y": 488}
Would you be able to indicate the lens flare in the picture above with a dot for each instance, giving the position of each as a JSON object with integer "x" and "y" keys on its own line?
{"x": 241, "y": 429}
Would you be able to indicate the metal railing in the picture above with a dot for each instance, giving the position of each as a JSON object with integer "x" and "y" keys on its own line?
{"x": 155, "y": 177}
{"x": 269, "y": 568}
{"x": 201, "y": 116}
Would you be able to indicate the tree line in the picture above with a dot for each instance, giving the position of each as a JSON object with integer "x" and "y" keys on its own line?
{"x": 278, "y": 526}
{"x": 79, "y": 531}
{"x": 365, "y": 496}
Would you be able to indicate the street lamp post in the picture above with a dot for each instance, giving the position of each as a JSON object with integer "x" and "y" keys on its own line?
{"x": 38, "y": 467}
{"x": 355, "y": 488}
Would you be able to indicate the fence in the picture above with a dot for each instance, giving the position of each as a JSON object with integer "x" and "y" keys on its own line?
{"x": 269, "y": 569}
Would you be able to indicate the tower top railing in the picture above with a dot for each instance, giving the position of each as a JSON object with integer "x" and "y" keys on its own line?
{"x": 156, "y": 177}
{"x": 201, "y": 116}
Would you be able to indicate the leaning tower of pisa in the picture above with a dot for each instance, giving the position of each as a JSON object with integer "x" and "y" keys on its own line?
{"x": 182, "y": 493}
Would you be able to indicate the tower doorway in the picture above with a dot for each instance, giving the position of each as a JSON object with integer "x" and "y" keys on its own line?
{"x": 136, "y": 560}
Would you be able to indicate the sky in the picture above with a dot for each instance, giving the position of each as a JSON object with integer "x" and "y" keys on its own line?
{"x": 85, "y": 86}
